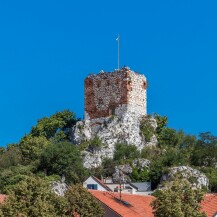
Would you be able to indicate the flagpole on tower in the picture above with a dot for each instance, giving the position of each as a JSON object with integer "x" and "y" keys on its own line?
{"x": 118, "y": 39}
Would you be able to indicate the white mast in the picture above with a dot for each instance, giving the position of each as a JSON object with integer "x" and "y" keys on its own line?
{"x": 118, "y": 39}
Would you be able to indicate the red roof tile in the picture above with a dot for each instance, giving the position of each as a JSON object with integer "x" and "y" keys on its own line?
{"x": 137, "y": 205}
{"x": 209, "y": 205}
{"x": 2, "y": 198}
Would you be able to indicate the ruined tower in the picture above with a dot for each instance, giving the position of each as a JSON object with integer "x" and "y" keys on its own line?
{"x": 115, "y": 93}
{"x": 115, "y": 103}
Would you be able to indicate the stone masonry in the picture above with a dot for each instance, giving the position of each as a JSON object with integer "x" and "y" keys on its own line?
{"x": 113, "y": 93}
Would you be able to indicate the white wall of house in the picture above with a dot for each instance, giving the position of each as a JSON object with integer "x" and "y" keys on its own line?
{"x": 91, "y": 181}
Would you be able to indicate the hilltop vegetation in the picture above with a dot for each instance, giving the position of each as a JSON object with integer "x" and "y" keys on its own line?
{"x": 48, "y": 154}
{"x": 47, "y": 151}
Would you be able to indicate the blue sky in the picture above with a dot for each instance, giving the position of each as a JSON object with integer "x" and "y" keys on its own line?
{"x": 47, "y": 48}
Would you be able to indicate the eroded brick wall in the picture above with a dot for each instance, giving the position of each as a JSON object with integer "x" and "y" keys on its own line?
{"x": 107, "y": 91}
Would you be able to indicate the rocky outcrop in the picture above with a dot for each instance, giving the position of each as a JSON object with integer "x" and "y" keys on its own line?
{"x": 195, "y": 177}
{"x": 121, "y": 173}
{"x": 123, "y": 128}
{"x": 141, "y": 163}
{"x": 59, "y": 187}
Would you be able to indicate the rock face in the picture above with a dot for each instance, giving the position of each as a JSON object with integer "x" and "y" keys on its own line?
{"x": 195, "y": 177}
{"x": 59, "y": 188}
{"x": 124, "y": 128}
{"x": 121, "y": 173}
{"x": 141, "y": 163}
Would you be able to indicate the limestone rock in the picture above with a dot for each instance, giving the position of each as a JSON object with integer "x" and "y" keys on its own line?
{"x": 141, "y": 163}
{"x": 195, "y": 177}
{"x": 121, "y": 173}
{"x": 59, "y": 187}
{"x": 123, "y": 128}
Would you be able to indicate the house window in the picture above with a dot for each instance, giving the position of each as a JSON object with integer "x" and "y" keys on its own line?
{"x": 92, "y": 186}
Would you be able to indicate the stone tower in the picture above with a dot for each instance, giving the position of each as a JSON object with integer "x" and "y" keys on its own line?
{"x": 115, "y": 103}
{"x": 115, "y": 93}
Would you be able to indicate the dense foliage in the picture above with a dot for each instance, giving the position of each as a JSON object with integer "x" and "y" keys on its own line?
{"x": 33, "y": 197}
{"x": 178, "y": 199}
{"x": 63, "y": 159}
{"x": 174, "y": 148}
{"x": 47, "y": 153}
{"x": 82, "y": 202}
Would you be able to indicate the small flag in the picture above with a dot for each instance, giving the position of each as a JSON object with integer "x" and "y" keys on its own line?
{"x": 117, "y": 39}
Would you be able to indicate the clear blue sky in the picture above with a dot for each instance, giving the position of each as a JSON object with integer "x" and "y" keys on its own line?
{"x": 47, "y": 48}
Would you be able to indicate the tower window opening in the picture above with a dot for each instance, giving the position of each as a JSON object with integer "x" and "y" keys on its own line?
{"x": 112, "y": 111}
{"x": 144, "y": 85}
{"x": 98, "y": 83}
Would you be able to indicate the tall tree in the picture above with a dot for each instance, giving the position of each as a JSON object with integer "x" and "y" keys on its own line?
{"x": 11, "y": 156}
{"x": 80, "y": 201}
{"x": 205, "y": 151}
{"x": 63, "y": 159}
{"x": 32, "y": 146}
{"x": 125, "y": 152}
{"x": 178, "y": 199}
{"x": 33, "y": 197}
{"x": 57, "y": 127}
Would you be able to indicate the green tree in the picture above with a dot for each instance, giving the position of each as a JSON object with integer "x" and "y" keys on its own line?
{"x": 139, "y": 175}
{"x": 108, "y": 167}
{"x": 211, "y": 173}
{"x": 205, "y": 151}
{"x": 125, "y": 152}
{"x": 33, "y": 197}
{"x": 80, "y": 201}
{"x": 92, "y": 145}
{"x": 63, "y": 159}
{"x": 156, "y": 171}
{"x": 57, "y": 127}
{"x": 161, "y": 122}
{"x": 146, "y": 128}
{"x": 178, "y": 199}
{"x": 151, "y": 152}
{"x": 168, "y": 137}
{"x": 32, "y": 146}
{"x": 12, "y": 175}
{"x": 10, "y": 156}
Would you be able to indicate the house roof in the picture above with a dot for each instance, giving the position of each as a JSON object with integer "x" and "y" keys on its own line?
{"x": 130, "y": 206}
{"x": 209, "y": 205}
{"x": 132, "y": 185}
{"x": 2, "y": 198}
{"x": 138, "y": 205}
{"x": 142, "y": 186}
{"x": 101, "y": 183}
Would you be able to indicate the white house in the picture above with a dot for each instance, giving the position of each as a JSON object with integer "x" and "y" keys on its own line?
{"x": 95, "y": 184}
{"x": 142, "y": 188}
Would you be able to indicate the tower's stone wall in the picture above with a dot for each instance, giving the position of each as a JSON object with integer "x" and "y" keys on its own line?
{"x": 113, "y": 93}
{"x": 114, "y": 105}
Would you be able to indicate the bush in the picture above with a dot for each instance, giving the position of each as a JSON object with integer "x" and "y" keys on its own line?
{"x": 125, "y": 152}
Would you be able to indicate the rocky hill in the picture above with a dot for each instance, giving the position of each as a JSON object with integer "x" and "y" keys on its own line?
{"x": 124, "y": 129}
